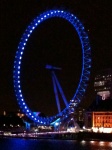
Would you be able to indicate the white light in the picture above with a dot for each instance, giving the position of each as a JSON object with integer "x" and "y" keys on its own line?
{"x": 22, "y": 99}
{"x": 26, "y": 39}
{"x": 27, "y": 110}
{"x": 19, "y": 91}
{"x": 92, "y": 141}
{"x": 28, "y": 35}
{"x": 19, "y": 62}
{"x": 36, "y": 24}
{"x": 33, "y": 27}
{"x": 41, "y": 18}
{"x": 25, "y": 107}
{"x": 44, "y": 16}
{"x": 20, "y": 57}
{"x": 18, "y": 72}
{"x": 24, "y": 43}
{"x": 56, "y": 124}
{"x": 22, "y": 47}
{"x": 18, "y": 81}
{"x": 38, "y": 20}
{"x": 29, "y": 113}
{"x": 30, "y": 31}
{"x": 23, "y": 103}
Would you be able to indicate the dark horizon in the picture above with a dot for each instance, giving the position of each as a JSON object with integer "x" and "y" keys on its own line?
{"x": 64, "y": 45}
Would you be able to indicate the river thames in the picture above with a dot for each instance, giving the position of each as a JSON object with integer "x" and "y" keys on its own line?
{"x": 40, "y": 144}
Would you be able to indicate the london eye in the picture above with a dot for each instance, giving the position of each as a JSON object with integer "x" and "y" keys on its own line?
{"x": 85, "y": 71}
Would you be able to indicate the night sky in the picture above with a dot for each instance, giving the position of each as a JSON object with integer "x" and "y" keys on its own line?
{"x": 53, "y": 42}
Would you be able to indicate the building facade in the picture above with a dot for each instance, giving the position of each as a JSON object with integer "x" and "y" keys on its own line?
{"x": 103, "y": 84}
{"x": 99, "y": 121}
{"x": 102, "y": 119}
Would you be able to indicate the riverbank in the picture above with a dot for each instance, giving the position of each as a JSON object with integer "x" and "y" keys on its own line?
{"x": 86, "y": 136}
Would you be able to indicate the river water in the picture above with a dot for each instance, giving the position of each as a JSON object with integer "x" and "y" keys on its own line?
{"x": 34, "y": 144}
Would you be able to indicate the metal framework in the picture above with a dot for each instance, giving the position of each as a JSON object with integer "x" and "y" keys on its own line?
{"x": 57, "y": 87}
{"x": 86, "y": 63}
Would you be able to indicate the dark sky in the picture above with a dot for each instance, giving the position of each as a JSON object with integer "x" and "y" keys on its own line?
{"x": 54, "y": 42}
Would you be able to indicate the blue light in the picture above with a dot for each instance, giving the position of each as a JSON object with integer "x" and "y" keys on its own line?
{"x": 86, "y": 60}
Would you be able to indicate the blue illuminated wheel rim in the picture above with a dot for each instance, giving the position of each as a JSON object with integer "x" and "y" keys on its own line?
{"x": 86, "y": 62}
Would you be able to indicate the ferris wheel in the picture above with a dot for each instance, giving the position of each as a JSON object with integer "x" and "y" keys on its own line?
{"x": 85, "y": 71}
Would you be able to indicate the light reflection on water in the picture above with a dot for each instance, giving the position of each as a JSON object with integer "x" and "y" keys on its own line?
{"x": 30, "y": 144}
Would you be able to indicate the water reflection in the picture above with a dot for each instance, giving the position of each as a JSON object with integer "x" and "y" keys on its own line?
{"x": 28, "y": 144}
